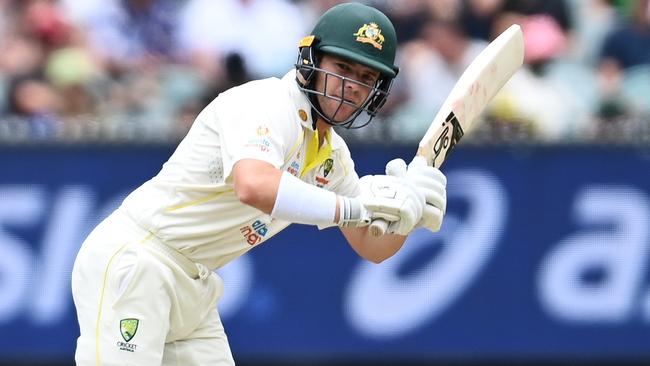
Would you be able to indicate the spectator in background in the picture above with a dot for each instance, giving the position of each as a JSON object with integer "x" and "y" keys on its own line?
{"x": 230, "y": 42}
{"x": 625, "y": 57}
{"x": 447, "y": 10}
{"x": 556, "y": 9}
{"x": 45, "y": 20}
{"x": 34, "y": 100}
{"x": 311, "y": 10}
{"x": 68, "y": 67}
{"x": 33, "y": 29}
{"x": 478, "y": 17}
{"x": 408, "y": 16}
{"x": 533, "y": 105}
{"x": 629, "y": 44}
{"x": 22, "y": 51}
{"x": 76, "y": 75}
{"x": 134, "y": 41}
{"x": 128, "y": 33}
{"x": 4, "y": 19}
{"x": 431, "y": 66}
{"x": 261, "y": 32}
{"x": 593, "y": 21}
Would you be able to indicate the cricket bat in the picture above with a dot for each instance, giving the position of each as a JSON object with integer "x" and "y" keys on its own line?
{"x": 478, "y": 84}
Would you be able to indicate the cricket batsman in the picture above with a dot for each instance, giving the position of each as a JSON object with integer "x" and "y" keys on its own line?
{"x": 259, "y": 157}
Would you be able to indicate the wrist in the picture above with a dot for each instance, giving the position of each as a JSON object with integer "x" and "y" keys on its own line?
{"x": 301, "y": 203}
{"x": 351, "y": 212}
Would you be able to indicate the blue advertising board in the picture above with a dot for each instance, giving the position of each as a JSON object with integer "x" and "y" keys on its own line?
{"x": 543, "y": 254}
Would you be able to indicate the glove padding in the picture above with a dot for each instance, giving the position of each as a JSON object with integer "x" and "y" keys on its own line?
{"x": 431, "y": 182}
{"x": 393, "y": 199}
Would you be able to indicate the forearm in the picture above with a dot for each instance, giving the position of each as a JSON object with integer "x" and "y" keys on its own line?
{"x": 283, "y": 196}
{"x": 256, "y": 183}
{"x": 369, "y": 247}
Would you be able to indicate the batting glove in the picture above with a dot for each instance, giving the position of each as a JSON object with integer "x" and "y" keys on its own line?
{"x": 431, "y": 182}
{"x": 393, "y": 199}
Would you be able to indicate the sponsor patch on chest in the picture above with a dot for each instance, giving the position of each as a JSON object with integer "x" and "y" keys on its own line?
{"x": 294, "y": 169}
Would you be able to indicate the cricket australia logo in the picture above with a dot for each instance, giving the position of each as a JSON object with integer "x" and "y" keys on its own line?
{"x": 452, "y": 133}
{"x": 327, "y": 167}
{"x": 128, "y": 328}
{"x": 370, "y": 33}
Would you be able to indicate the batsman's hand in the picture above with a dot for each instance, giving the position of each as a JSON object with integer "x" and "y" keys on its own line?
{"x": 393, "y": 199}
{"x": 431, "y": 182}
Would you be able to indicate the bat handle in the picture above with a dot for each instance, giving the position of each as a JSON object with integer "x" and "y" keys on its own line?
{"x": 378, "y": 227}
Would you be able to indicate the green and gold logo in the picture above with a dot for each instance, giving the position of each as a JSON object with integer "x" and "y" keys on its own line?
{"x": 327, "y": 167}
{"x": 370, "y": 33}
{"x": 128, "y": 327}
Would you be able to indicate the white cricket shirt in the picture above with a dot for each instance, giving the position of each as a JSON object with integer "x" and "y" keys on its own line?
{"x": 191, "y": 205}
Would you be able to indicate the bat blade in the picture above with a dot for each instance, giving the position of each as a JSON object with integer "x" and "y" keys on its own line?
{"x": 476, "y": 87}
{"x": 478, "y": 84}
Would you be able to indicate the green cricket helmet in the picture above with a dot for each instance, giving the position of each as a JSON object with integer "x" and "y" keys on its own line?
{"x": 358, "y": 33}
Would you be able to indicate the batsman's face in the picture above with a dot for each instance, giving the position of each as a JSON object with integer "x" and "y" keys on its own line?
{"x": 347, "y": 90}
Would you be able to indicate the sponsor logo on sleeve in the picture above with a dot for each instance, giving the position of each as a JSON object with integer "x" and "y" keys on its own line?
{"x": 254, "y": 233}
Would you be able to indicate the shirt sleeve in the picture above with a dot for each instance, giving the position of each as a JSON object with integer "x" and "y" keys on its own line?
{"x": 248, "y": 130}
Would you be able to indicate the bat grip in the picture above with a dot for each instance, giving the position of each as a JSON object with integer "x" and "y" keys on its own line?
{"x": 378, "y": 227}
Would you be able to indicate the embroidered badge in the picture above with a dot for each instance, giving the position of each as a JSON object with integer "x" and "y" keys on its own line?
{"x": 327, "y": 167}
{"x": 128, "y": 328}
{"x": 370, "y": 33}
{"x": 302, "y": 114}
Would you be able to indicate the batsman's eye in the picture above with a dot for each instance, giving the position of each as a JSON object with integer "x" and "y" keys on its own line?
{"x": 343, "y": 66}
{"x": 369, "y": 78}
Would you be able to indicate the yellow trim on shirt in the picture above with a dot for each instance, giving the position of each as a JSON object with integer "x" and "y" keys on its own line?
{"x": 316, "y": 154}
{"x": 197, "y": 202}
{"x": 295, "y": 146}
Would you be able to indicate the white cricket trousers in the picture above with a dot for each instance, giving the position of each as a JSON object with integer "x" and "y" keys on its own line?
{"x": 141, "y": 303}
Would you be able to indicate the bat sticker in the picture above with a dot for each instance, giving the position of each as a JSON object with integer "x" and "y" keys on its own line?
{"x": 444, "y": 141}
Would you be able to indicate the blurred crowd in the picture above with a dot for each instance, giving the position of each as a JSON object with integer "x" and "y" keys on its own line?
{"x": 79, "y": 71}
